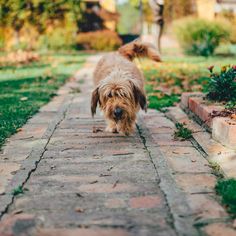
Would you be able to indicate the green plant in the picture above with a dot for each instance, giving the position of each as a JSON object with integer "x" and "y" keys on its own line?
{"x": 199, "y": 36}
{"x": 230, "y": 105}
{"x": 25, "y": 88}
{"x": 104, "y": 40}
{"x": 222, "y": 86}
{"x": 182, "y": 132}
{"x": 216, "y": 170}
{"x": 226, "y": 188}
{"x": 160, "y": 103}
{"x": 17, "y": 191}
{"x": 60, "y": 38}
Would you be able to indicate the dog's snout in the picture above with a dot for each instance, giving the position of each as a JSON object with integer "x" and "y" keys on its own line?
{"x": 118, "y": 113}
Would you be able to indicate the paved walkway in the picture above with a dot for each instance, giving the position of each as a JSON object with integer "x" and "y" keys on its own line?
{"x": 78, "y": 180}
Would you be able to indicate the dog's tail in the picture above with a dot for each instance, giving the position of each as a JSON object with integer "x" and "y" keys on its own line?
{"x": 139, "y": 49}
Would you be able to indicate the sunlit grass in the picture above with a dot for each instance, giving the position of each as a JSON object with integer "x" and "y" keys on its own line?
{"x": 24, "y": 89}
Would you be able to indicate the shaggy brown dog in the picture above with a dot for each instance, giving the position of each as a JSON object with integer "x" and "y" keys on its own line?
{"x": 120, "y": 86}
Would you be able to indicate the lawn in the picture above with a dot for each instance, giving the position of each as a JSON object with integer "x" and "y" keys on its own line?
{"x": 176, "y": 74}
{"x": 25, "y": 88}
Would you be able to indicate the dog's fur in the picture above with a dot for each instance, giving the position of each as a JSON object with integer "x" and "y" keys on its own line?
{"x": 120, "y": 84}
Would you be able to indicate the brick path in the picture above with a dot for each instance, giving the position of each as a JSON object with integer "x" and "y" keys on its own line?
{"x": 84, "y": 183}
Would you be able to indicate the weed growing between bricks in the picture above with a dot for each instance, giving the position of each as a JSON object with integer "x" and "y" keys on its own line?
{"x": 182, "y": 132}
{"x": 19, "y": 190}
{"x": 216, "y": 170}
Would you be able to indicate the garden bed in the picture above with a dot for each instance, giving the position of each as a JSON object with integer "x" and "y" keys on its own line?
{"x": 223, "y": 129}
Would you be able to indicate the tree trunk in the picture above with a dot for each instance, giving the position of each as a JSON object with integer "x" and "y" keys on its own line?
{"x": 157, "y": 7}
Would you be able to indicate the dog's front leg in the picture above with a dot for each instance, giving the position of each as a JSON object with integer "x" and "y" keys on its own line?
{"x": 126, "y": 127}
{"x": 111, "y": 127}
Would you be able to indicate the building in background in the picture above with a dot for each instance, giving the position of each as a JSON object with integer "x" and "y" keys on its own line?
{"x": 101, "y": 14}
{"x": 210, "y": 9}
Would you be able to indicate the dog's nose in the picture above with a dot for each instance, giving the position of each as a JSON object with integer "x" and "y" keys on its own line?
{"x": 118, "y": 113}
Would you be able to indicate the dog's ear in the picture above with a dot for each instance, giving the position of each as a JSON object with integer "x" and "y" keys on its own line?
{"x": 140, "y": 97}
{"x": 94, "y": 101}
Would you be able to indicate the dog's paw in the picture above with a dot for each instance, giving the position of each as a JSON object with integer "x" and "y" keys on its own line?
{"x": 111, "y": 130}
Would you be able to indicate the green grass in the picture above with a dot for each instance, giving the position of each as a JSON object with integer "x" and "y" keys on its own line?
{"x": 226, "y": 188}
{"x": 159, "y": 102}
{"x": 166, "y": 81}
{"x": 24, "y": 89}
{"x": 182, "y": 132}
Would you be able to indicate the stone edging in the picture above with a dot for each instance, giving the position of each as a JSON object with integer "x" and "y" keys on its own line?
{"x": 223, "y": 129}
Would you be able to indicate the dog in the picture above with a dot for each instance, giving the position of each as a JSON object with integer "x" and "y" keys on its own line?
{"x": 119, "y": 86}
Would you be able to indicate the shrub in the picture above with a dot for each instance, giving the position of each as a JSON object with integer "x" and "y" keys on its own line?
{"x": 58, "y": 39}
{"x": 182, "y": 132}
{"x": 200, "y": 37}
{"x": 222, "y": 86}
{"x": 233, "y": 33}
{"x": 104, "y": 40}
{"x": 2, "y": 41}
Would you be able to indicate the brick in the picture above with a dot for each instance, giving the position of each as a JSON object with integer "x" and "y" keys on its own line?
{"x": 7, "y": 171}
{"x": 162, "y": 130}
{"x": 42, "y": 117}
{"x": 158, "y": 122}
{"x": 7, "y": 168}
{"x": 224, "y": 131}
{"x": 179, "y": 116}
{"x": 146, "y": 201}
{"x": 185, "y": 159}
{"x": 205, "y": 206}
{"x": 115, "y": 203}
{"x": 185, "y": 98}
{"x": 196, "y": 183}
{"x": 194, "y": 104}
{"x": 107, "y": 188}
{"x": 82, "y": 232}
{"x": 167, "y": 139}
{"x": 54, "y": 105}
{"x": 71, "y": 178}
{"x": 18, "y": 225}
{"x": 219, "y": 229}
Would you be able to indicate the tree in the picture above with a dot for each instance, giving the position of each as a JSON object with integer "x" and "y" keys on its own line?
{"x": 158, "y": 9}
{"x": 39, "y": 14}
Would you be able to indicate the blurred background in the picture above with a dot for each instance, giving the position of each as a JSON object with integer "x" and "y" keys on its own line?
{"x": 106, "y": 24}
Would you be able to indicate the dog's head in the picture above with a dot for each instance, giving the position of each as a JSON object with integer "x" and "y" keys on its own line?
{"x": 119, "y": 100}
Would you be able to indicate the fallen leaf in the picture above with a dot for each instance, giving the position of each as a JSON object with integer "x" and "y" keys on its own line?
{"x": 233, "y": 116}
{"x": 110, "y": 168}
{"x": 114, "y": 185}
{"x": 104, "y": 175}
{"x": 175, "y": 152}
{"x": 79, "y": 210}
{"x": 16, "y": 212}
{"x": 79, "y": 195}
{"x": 96, "y": 130}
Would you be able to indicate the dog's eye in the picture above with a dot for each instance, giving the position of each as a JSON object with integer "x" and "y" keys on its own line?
{"x": 109, "y": 95}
